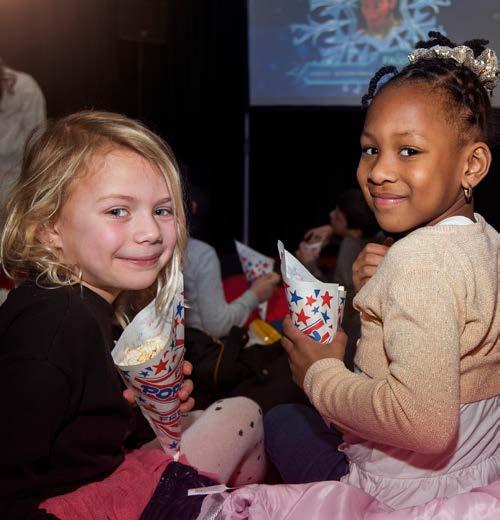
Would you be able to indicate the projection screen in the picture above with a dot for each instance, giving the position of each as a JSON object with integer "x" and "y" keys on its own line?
{"x": 323, "y": 52}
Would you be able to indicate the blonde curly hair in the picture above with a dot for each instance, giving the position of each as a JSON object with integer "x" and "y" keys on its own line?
{"x": 53, "y": 160}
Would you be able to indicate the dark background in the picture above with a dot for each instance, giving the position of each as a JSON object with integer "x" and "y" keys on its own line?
{"x": 181, "y": 67}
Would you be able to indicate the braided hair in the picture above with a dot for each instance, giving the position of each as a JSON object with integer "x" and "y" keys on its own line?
{"x": 467, "y": 98}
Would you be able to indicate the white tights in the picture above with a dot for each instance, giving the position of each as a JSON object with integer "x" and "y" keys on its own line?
{"x": 226, "y": 441}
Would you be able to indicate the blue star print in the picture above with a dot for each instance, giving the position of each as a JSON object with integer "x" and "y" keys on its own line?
{"x": 295, "y": 297}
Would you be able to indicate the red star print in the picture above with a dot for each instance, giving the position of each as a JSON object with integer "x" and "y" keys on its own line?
{"x": 310, "y": 300}
{"x": 162, "y": 365}
{"x": 302, "y": 316}
{"x": 326, "y": 299}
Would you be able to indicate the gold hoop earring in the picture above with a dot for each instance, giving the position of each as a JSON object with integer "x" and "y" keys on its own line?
{"x": 468, "y": 194}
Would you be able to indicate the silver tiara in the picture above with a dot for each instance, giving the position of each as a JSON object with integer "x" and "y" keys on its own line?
{"x": 485, "y": 66}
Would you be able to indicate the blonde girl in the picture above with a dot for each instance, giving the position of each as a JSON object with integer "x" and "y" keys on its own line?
{"x": 95, "y": 222}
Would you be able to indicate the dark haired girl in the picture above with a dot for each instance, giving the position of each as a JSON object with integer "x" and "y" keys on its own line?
{"x": 420, "y": 415}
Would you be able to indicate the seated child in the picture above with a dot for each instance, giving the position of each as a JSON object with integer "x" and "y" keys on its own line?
{"x": 96, "y": 216}
{"x": 419, "y": 419}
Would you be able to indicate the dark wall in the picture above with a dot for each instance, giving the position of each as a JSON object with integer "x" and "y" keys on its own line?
{"x": 67, "y": 45}
{"x": 192, "y": 89}
{"x": 301, "y": 160}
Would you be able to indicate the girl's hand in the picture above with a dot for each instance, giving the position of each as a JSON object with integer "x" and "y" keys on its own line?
{"x": 187, "y": 402}
{"x": 304, "y": 351}
{"x": 129, "y": 395}
{"x": 367, "y": 263}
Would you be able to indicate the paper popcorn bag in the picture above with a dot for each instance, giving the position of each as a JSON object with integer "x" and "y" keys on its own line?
{"x": 316, "y": 307}
{"x": 150, "y": 355}
{"x": 254, "y": 265}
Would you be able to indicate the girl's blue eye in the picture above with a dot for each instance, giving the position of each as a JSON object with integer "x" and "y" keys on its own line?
{"x": 118, "y": 212}
{"x": 163, "y": 212}
{"x": 370, "y": 150}
{"x": 408, "y": 152}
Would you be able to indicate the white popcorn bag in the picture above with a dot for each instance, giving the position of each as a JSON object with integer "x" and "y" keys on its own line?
{"x": 149, "y": 355}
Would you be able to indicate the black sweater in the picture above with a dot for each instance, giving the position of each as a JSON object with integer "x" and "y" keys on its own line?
{"x": 64, "y": 417}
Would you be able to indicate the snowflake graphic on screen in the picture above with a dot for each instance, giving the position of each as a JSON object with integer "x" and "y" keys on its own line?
{"x": 351, "y": 39}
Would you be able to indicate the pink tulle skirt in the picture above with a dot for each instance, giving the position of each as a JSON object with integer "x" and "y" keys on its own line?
{"x": 328, "y": 500}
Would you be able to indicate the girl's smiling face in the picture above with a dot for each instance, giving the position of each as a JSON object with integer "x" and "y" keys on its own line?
{"x": 117, "y": 224}
{"x": 413, "y": 163}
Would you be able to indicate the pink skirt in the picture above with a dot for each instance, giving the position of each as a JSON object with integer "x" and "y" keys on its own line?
{"x": 327, "y": 500}
{"x": 121, "y": 496}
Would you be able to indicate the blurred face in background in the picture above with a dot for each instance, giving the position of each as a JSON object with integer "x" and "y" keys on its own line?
{"x": 376, "y": 13}
{"x": 338, "y": 221}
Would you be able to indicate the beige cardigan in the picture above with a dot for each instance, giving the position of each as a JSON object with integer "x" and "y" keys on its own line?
{"x": 429, "y": 342}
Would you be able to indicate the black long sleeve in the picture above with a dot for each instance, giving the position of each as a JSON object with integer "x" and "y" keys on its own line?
{"x": 64, "y": 416}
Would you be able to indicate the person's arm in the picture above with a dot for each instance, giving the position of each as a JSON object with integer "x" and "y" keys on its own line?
{"x": 319, "y": 234}
{"x": 34, "y": 111}
{"x": 416, "y": 405}
{"x": 35, "y": 404}
{"x": 217, "y": 316}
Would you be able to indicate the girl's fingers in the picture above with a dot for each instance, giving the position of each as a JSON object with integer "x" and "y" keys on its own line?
{"x": 186, "y": 406}
{"x": 129, "y": 395}
{"x": 187, "y": 368}
{"x": 288, "y": 327}
{"x": 287, "y": 344}
{"x": 376, "y": 249}
{"x": 186, "y": 389}
{"x": 373, "y": 259}
{"x": 340, "y": 336}
{"x": 367, "y": 271}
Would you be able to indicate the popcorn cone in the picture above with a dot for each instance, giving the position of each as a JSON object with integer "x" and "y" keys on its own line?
{"x": 254, "y": 265}
{"x": 149, "y": 355}
{"x": 314, "y": 305}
